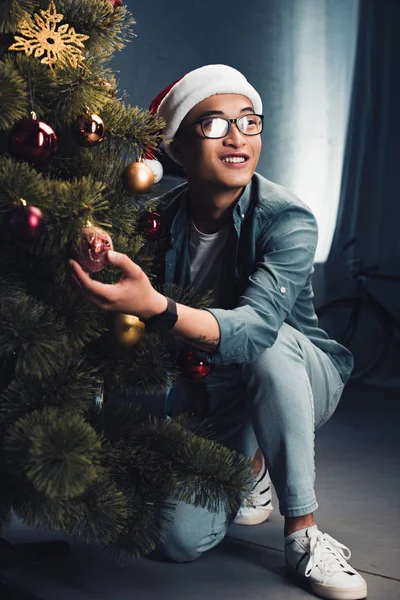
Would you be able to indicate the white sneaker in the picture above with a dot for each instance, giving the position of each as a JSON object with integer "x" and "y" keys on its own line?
{"x": 319, "y": 559}
{"x": 258, "y": 506}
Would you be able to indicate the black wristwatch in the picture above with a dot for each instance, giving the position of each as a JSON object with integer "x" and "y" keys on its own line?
{"x": 165, "y": 320}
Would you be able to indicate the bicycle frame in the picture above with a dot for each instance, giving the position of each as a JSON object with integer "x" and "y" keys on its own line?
{"x": 362, "y": 291}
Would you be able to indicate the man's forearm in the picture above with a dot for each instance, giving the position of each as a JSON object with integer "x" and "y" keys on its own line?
{"x": 197, "y": 327}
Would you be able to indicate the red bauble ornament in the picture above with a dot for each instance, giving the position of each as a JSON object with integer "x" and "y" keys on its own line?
{"x": 192, "y": 367}
{"x": 91, "y": 247}
{"x": 88, "y": 130}
{"x": 25, "y": 223}
{"x": 33, "y": 141}
{"x": 116, "y": 3}
{"x": 150, "y": 224}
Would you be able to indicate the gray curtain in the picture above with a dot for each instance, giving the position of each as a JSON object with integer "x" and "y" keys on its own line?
{"x": 369, "y": 203}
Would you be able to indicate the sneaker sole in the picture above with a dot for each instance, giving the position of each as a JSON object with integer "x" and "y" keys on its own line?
{"x": 253, "y": 520}
{"x": 330, "y": 592}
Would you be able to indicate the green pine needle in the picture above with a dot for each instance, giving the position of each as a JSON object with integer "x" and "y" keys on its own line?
{"x": 108, "y": 29}
{"x": 57, "y": 451}
{"x": 13, "y": 96}
{"x": 105, "y": 513}
{"x": 11, "y": 11}
{"x": 72, "y": 390}
{"x": 34, "y": 335}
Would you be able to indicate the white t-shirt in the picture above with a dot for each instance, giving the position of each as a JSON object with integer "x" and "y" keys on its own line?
{"x": 206, "y": 254}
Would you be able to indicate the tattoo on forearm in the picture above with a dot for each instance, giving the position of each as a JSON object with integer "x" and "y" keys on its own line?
{"x": 204, "y": 343}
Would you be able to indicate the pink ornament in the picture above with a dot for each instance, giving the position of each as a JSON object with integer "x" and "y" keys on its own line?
{"x": 116, "y": 3}
{"x": 91, "y": 247}
{"x": 25, "y": 223}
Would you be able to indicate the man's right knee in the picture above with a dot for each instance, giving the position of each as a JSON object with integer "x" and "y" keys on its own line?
{"x": 193, "y": 531}
{"x": 178, "y": 551}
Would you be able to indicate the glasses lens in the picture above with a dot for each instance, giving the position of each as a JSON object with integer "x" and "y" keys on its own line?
{"x": 250, "y": 124}
{"x": 214, "y": 127}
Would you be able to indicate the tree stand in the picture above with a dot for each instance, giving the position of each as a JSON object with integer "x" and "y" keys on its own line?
{"x": 13, "y": 556}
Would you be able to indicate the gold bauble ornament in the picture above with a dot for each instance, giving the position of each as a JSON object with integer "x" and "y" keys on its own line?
{"x": 127, "y": 330}
{"x": 138, "y": 178}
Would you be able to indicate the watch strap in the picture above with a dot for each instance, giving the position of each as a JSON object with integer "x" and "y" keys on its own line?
{"x": 165, "y": 320}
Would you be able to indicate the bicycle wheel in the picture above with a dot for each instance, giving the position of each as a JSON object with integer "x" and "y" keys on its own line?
{"x": 360, "y": 327}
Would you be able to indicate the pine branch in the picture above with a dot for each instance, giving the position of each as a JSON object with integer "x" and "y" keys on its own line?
{"x": 108, "y": 29}
{"x": 11, "y": 11}
{"x": 189, "y": 468}
{"x": 30, "y": 331}
{"x": 67, "y": 210}
{"x": 129, "y": 131}
{"x": 148, "y": 521}
{"x": 186, "y": 295}
{"x": 39, "y": 511}
{"x": 104, "y": 162}
{"x": 139, "y": 128}
{"x": 39, "y": 81}
{"x": 76, "y": 92}
{"x": 13, "y": 96}
{"x": 99, "y": 515}
{"x": 105, "y": 513}
{"x": 72, "y": 390}
{"x": 56, "y": 451}
{"x": 19, "y": 180}
{"x": 146, "y": 496}
{"x": 117, "y": 422}
{"x": 143, "y": 368}
{"x": 84, "y": 322}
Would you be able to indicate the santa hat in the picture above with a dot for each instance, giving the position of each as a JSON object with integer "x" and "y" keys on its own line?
{"x": 176, "y": 100}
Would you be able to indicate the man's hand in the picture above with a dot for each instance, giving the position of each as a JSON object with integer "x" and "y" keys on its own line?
{"x": 133, "y": 294}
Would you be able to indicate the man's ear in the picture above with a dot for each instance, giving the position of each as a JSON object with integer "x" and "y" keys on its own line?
{"x": 176, "y": 149}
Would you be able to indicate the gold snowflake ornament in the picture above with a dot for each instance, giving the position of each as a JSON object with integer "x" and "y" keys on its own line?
{"x": 59, "y": 46}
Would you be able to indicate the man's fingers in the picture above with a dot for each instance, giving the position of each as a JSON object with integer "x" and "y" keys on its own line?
{"x": 77, "y": 271}
{"x": 123, "y": 261}
{"x": 88, "y": 296}
{"x": 96, "y": 291}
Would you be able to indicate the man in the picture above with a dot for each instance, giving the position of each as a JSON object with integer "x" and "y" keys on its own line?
{"x": 253, "y": 243}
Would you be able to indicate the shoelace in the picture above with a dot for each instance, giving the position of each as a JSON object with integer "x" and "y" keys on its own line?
{"x": 325, "y": 548}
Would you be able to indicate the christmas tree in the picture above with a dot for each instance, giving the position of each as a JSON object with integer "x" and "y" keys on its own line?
{"x": 73, "y": 183}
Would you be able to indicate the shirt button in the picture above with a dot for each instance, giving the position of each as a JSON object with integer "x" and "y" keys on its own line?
{"x": 283, "y": 289}
{"x": 243, "y": 215}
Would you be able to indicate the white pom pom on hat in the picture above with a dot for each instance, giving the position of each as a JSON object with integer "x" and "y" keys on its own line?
{"x": 176, "y": 100}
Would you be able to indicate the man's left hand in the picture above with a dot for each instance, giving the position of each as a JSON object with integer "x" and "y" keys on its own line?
{"x": 133, "y": 294}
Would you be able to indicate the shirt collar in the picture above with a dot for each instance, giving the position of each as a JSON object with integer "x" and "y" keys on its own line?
{"x": 243, "y": 203}
{"x": 181, "y": 218}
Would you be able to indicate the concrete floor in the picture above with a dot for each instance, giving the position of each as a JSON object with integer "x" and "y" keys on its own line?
{"x": 358, "y": 488}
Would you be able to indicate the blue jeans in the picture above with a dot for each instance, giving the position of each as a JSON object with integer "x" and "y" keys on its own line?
{"x": 275, "y": 403}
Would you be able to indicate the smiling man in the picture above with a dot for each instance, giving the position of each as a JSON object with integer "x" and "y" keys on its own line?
{"x": 277, "y": 375}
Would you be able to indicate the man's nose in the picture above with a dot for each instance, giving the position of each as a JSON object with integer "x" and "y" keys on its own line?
{"x": 234, "y": 136}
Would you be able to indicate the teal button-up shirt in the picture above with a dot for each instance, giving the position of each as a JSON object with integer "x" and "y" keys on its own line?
{"x": 266, "y": 279}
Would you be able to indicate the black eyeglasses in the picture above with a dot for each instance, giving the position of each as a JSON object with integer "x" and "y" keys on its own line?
{"x": 219, "y": 127}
